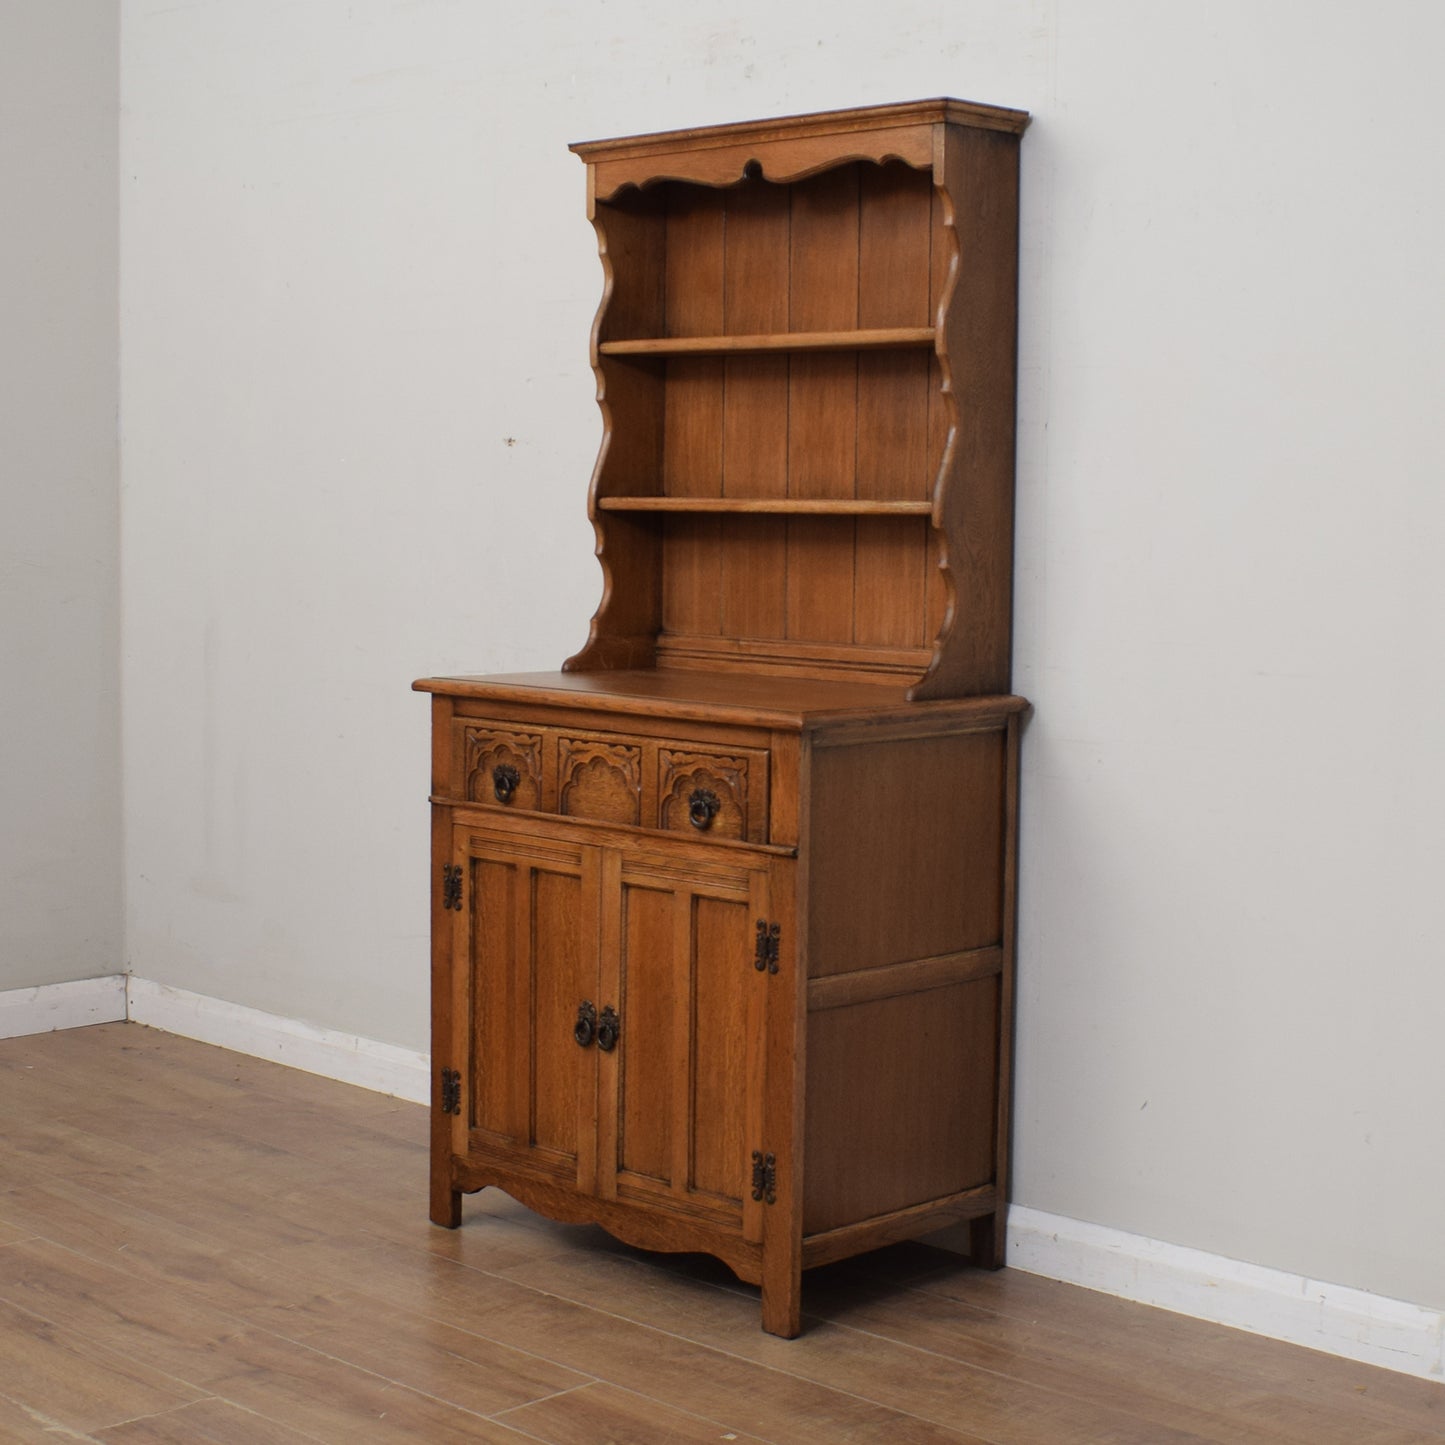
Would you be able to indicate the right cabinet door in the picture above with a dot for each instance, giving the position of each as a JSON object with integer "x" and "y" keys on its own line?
{"x": 681, "y": 1091}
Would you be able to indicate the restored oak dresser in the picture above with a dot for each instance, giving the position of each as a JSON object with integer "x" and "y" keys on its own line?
{"x": 723, "y": 911}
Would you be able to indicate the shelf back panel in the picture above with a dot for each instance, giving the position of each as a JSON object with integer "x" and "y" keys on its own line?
{"x": 857, "y": 246}
{"x": 805, "y": 579}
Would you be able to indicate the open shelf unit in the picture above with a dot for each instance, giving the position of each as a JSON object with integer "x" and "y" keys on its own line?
{"x": 805, "y": 364}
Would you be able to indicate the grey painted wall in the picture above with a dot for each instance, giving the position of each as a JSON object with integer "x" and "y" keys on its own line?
{"x": 60, "y": 818}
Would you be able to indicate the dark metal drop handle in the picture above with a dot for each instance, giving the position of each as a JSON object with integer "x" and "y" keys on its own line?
{"x": 585, "y": 1029}
{"x": 504, "y": 781}
{"x": 608, "y": 1029}
{"x": 702, "y": 808}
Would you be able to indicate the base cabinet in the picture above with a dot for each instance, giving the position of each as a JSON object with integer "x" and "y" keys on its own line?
{"x": 778, "y": 1052}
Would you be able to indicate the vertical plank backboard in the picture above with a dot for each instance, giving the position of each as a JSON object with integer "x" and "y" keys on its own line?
{"x": 823, "y": 403}
{"x": 692, "y": 460}
{"x": 755, "y": 409}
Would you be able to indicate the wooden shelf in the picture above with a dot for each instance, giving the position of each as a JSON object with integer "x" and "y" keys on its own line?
{"x": 784, "y": 506}
{"x": 892, "y": 338}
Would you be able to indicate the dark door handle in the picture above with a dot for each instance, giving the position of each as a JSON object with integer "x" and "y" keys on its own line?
{"x": 609, "y": 1029}
{"x": 585, "y": 1029}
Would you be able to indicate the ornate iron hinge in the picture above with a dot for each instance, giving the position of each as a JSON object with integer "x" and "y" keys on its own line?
{"x": 451, "y": 1091}
{"x": 452, "y": 886}
{"x": 765, "y": 1177}
{"x": 765, "y": 957}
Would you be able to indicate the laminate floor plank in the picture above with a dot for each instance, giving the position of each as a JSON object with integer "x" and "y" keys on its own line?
{"x": 13, "y": 1233}
{"x": 70, "y": 1380}
{"x": 1175, "y": 1390}
{"x": 335, "y": 1401}
{"x": 1156, "y": 1339}
{"x": 207, "y": 1422}
{"x": 604, "y": 1413}
{"x": 200, "y": 1246}
{"x": 944, "y": 1391}
{"x": 120, "y": 1320}
{"x": 109, "y": 1233}
{"x": 24, "y": 1425}
{"x": 34, "y": 1145}
{"x": 176, "y": 1331}
{"x": 424, "y": 1354}
{"x": 595, "y": 1341}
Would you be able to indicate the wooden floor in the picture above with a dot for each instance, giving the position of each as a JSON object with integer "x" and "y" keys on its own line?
{"x": 198, "y": 1246}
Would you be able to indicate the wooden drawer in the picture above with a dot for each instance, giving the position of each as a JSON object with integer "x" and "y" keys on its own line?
{"x": 713, "y": 794}
{"x": 501, "y": 765}
{"x": 702, "y": 790}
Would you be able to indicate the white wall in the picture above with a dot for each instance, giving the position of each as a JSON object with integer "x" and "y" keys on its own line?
{"x": 60, "y": 873}
{"x": 358, "y": 426}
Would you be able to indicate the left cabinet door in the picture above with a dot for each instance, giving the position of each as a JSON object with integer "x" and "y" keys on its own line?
{"x": 525, "y": 978}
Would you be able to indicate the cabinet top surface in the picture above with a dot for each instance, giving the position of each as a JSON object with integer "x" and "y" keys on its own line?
{"x": 747, "y": 698}
{"x": 824, "y": 122}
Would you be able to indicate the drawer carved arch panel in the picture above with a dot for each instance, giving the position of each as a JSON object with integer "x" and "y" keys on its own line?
{"x": 599, "y": 780}
{"x": 704, "y": 793}
{"x": 503, "y": 767}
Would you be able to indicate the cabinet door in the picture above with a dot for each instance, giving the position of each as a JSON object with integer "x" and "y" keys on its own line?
{"x": 528, "y": 938}
{"x": 681, "y": 1096}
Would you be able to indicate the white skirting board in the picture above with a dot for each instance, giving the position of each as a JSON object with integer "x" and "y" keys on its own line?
{"x": 1353, "y": 1323}
{"x": 1338, "y": 1320}
{"x": 62, "y": 1006}
{"x": 347, "y": 1057}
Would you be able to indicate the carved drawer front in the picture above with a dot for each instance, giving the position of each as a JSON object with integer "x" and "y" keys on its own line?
{"x": 713, "y": 794}
{"x": 502, "y": 767}
{"x": 599, "y": 779}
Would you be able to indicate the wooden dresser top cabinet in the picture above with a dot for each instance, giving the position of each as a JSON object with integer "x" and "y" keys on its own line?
{"x": 805, "y": 360}
{"x": 723, "y": 910}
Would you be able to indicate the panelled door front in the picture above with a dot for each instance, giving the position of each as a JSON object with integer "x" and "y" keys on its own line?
{"x": 527, "y": 931}
{"x": 680, "y": 1106}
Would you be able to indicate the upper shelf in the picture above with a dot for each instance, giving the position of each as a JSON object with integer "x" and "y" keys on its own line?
{"x": 780, "y": 506}
{"x": 889, "y": 338}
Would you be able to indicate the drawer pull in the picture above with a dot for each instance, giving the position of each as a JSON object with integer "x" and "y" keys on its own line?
{"x": 608, "y": 1029}
{"x": 702, "y": 808}
{"x": 585, "y": 1029}
{"x": 504, "y": 781}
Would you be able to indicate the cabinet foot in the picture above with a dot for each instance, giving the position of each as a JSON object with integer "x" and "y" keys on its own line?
{"x": 783, "y": 1308}
{"x": 446, "y": 1206}
{"x": 986, "y": 1242}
